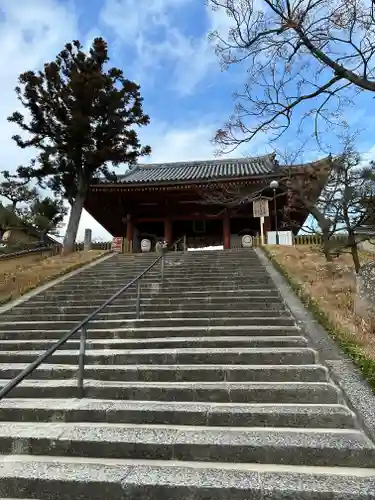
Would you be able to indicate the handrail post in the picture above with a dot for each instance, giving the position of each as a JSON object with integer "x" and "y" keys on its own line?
{"x": 81, "y": 361}
{"x": 138, "y": 305}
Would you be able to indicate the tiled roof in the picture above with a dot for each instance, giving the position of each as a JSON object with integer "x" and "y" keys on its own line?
{"x": 199, "y": 170}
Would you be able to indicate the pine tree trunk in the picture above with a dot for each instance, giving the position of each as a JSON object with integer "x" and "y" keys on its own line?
{"x": 71, "y": 230}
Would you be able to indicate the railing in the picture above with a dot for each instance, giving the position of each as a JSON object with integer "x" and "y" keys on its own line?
{"x": 82, "y": 327}
{"x": 47, "y": 248}
{"x": 317, "y": 239}
{"x": 50, "y": 248}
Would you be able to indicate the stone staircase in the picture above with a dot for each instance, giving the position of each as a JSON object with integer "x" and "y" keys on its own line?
{"x": 214, "y": 393}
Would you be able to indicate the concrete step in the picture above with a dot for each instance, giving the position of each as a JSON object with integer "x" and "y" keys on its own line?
{"x": 231, "y": 355}
{"x": 156, "y": 291}
{"x": 153, "y": 322}
{"x": 219, "y": 392}
{"x": 98, "y": 294}
{"x": 168, "y": 286}
{"x": 154, "y": 332}
{"x": 310, "y": 447}
{"x": 176, "y": 373}
{"x": 147, "y": 308}
{"x": 177, "y": 413}
{"x": 162, "y": 343}
{"x": 108, "y": 279}
{"x": 182, "y": 273}
{"x": 129, "y": 313}
{"x": 181, "y": 268}
{"x": 115, "y": 479}
{"x": 95, "y": 479}
{"x": 189, "y": 276}
{"x": 159, "y": 290}
{"x": 159, "y": 299}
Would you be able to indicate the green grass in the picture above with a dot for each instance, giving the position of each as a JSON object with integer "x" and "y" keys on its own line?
{"x": 354, "y": 351}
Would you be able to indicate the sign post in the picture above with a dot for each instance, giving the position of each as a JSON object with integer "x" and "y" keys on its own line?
{"x": 262, "y": 230}
{"x": 260, "y": 211}
{"x": 117, "y": 244}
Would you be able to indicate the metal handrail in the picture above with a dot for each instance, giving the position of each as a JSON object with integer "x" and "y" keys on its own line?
{"x": 83, "y": 327}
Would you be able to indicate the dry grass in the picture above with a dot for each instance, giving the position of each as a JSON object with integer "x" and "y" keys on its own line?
{"x": 333, "y": 287}
{"x": 22, "y": 274}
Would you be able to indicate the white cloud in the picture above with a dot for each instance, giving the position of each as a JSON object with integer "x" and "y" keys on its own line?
{"x": 151, "y": 29}
{"x": 32, "y": 33}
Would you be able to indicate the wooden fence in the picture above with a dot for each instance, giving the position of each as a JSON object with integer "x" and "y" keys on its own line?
{"x": 304, "y": 239}
{"x": 316, "y": 239}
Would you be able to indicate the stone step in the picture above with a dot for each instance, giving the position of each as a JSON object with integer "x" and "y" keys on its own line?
{"x": 115, "y": 479}
{"x": 231, "y": 355}
{"x": 99, "y": 295}
{"x": 181, "y": 267}
{"x": 178, "y": 273}
{"x": 130, "y": 313}
{"x": 115, "y": 310}
{"x": 186, "y": 276}
{"x": 159, "y": 300}
{"x": 154, "y": 322}
{"x": 156, "y": 289}
{"x": 168, "y": 286}
{"x": 154, "y": 332}
{"x": 177, "y": 413}
{"x": 284, "y": 446}
{"x": 119, "y": 268}
{"x": 219, "y": 392}
{"x": 162, "y": 343}
{"x": 176, "y": 373}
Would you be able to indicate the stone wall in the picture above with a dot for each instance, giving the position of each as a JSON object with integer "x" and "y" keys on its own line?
{"x": 365, "y": 298}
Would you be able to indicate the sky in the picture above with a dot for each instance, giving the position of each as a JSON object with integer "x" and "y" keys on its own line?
{"x": 161, "y": 44}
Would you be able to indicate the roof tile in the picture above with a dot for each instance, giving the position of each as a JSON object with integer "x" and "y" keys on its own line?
{"x": 199, "y": 170}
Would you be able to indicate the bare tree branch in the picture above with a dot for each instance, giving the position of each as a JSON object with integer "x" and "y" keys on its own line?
{"x": 297, "y": 52}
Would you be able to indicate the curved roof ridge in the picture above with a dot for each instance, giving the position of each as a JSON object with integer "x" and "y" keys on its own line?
{"x": 225, "y": 168}
{"x": 215, "y": 161}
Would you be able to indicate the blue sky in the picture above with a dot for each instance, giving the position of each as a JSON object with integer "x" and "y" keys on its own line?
{"x": 163, "y": 45}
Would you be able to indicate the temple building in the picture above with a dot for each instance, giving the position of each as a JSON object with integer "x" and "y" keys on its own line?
{"x": 205, "y": 202}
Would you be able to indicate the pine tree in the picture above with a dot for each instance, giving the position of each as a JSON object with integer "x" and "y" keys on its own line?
{"x": 82, "y": 122}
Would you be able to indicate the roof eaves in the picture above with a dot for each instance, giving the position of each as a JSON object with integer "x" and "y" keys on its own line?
{"x": 271, "y": 175}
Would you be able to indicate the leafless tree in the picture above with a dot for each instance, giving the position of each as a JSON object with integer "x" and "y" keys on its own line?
{"x": 312, "y": 55}
{"x": 354, "y": 196}
{"x": 230, "y": 195}
{"x": 342, "y": 205}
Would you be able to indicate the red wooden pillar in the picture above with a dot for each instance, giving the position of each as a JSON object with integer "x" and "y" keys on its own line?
{"x": 168, "y": 233}
{"x": 226, "y": 231}
{"x": 129, "y": 230}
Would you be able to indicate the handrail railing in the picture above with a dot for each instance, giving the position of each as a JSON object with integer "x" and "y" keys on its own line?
{"x": 29, "y": 251}
{"x": 83, "y": 327}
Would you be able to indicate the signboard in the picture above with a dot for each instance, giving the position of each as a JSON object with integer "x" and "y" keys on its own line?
{"x": 260, "y": 208}
{"x": 117, "y": 244}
